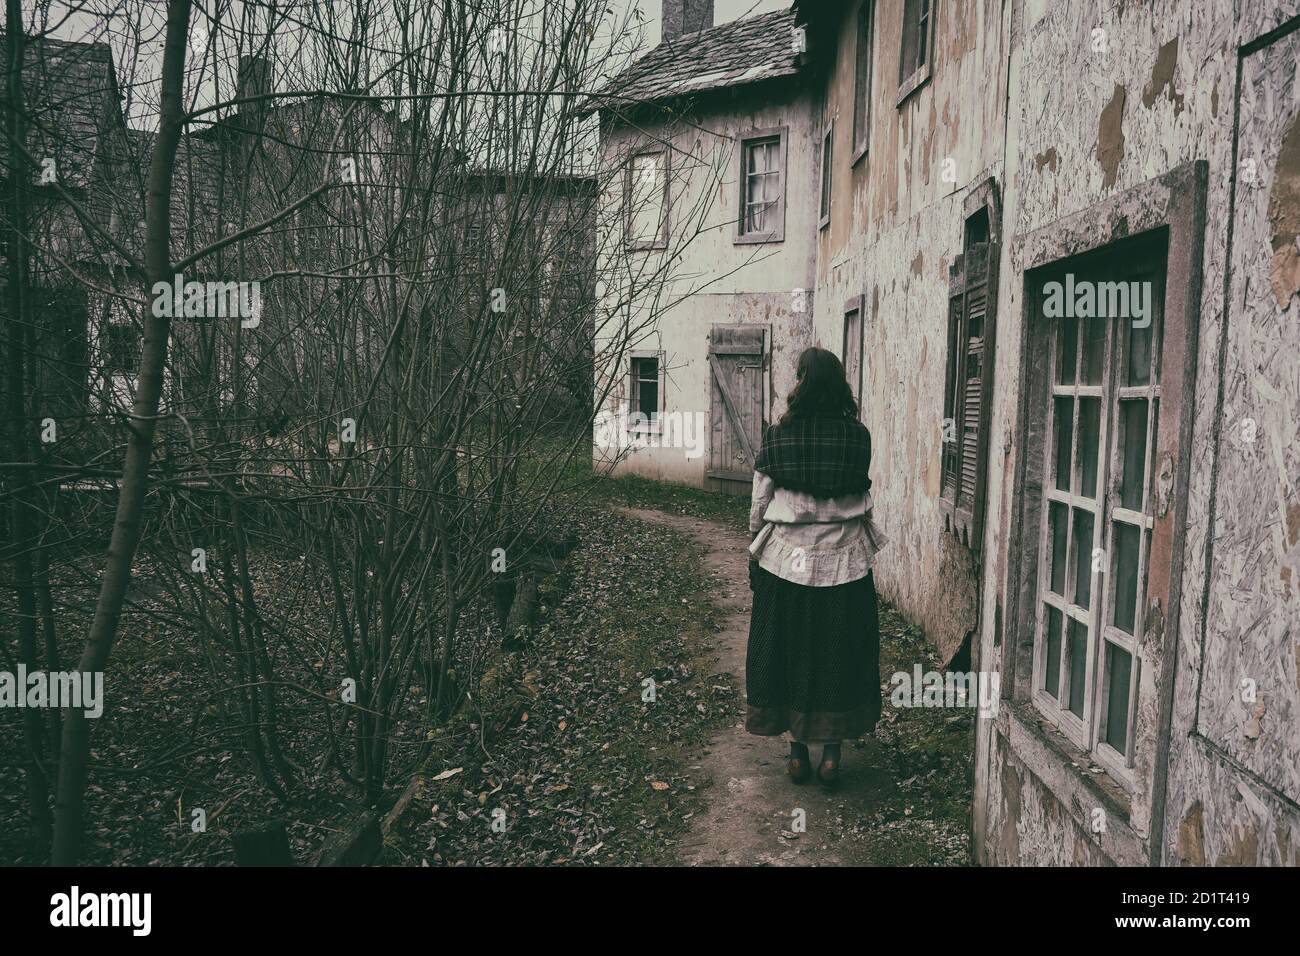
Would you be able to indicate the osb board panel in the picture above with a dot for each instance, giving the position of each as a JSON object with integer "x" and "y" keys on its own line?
{"x": 1026, "y": 825}
{"x": 1223, "y": 818}
{"x": 1252, "y": 633}
{"x": 1086, "y": 126}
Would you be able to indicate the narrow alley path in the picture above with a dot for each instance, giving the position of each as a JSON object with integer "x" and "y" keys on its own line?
{"x": 753, "y": 813}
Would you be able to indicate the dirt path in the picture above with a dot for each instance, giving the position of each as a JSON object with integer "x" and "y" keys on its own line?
{"x": 752, "y": 806}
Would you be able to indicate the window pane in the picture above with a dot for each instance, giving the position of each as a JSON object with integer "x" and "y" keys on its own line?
{"x": 1077, "y": 652}
{"x": 1094, "y": 350}
{"x": 1133, "y": 432}
{"x": 1058, "y": 532}
{"x": 1052, "y": 646}
{"x": 1119, "y": 666}
{"x": 1127, "y": 540}
{"x": 1067, "y": 348}
{"x": 1064, "y": 437}
{"x": 648, "y": 400}
{"x": 1082, "y": 557}
{"x": 1089, "y": 444}
{"x": 1139, "y": 354}
{"x": 645, "y": 373}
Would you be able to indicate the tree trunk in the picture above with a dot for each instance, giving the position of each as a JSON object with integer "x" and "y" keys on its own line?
{"x": 135, "y": 470}
{"x": 19, "y": 446}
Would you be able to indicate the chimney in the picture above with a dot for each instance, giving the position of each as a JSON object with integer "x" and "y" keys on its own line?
{"x": 254, "y": 80}
{"x": 686, "y": 16}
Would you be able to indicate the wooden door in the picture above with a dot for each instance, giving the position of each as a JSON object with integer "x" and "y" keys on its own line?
{"x": 737, "y": 366}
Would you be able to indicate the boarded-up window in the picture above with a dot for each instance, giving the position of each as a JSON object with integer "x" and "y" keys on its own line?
{"x": 824, "y": 204}
{"x": 853, "y": 346}
{"x": 646, "y": 195}
{"x": 972, "y": 316}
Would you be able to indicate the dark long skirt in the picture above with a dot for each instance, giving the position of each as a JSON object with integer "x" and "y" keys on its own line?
{"x": 813, "y": 666}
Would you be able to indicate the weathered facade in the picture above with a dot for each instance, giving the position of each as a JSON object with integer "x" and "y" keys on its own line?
{"x": 715, "y": 308}
{"x": 1129, "y": 569}
{"x": 1100, "y": 498}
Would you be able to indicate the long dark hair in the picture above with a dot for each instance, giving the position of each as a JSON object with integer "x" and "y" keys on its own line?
{"x": 821, "y": 388}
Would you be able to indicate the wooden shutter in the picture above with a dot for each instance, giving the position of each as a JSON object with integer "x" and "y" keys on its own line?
{"x": 972, "y": 292}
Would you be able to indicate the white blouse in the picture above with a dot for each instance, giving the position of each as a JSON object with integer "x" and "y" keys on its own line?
{"x": 818, "y": 542}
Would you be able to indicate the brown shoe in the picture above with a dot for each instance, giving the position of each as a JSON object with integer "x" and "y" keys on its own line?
{"x": 828, "y": 773}
{"x": 798, "y": 765}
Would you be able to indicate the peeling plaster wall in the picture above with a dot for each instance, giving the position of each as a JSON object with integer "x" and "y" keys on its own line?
{"x": 710, "y": 278}
{"x": 896, "y": 224}
{"x": 1087, "y": 124}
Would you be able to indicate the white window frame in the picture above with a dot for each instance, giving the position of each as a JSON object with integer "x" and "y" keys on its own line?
{"x": 633, "y": 389}
{"x": 746, "y": 141}
{"x": 1088, "y": 732}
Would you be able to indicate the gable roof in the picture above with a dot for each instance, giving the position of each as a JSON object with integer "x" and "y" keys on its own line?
{"x": 67, "y": 86}
{"x": 729, "y": 55}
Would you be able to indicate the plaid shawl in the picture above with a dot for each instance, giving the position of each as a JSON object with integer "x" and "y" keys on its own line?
{"x": 825, "y": 457}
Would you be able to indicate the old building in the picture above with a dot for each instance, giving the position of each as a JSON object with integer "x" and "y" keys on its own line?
{"x": 1058, "y": 244}
{"x": 453, "y": 232}
{"x": 709, "y": 133}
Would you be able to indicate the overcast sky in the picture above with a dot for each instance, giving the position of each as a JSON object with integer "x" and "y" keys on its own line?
{"x": 92, "y": 20}
{"x": 723, "y": 11}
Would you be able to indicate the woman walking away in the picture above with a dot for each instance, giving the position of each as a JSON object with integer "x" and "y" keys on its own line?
{"x": 813, "y": 666}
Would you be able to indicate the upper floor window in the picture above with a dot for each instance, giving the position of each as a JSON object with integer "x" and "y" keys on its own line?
{"x": 762, "y": 186}
{"x": 918, "y": 39}
{"x": 646, "y": 196}
{"x": 824, "y": 204}
{"x": 862, "y": 80}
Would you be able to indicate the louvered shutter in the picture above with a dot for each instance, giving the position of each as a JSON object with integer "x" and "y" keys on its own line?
{"x": 972, "y": 291}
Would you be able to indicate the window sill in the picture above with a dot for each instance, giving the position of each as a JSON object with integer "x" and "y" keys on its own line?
{"x": 645, "y": 246}
{"x": 1059, "y": 767}
{"x": 1108, "y": 791}
{"x": 859, "y": 155}
{"x": 758, "y": 238}
{"x": 912, "y": 84}
{"x": 823, "y": 222}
